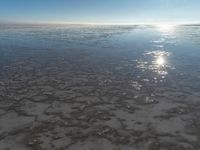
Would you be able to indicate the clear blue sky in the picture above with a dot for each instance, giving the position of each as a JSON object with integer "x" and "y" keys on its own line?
{"x": 100, "y": 11}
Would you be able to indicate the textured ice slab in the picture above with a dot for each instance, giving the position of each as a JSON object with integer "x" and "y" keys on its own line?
{"x": 99, "y": 87}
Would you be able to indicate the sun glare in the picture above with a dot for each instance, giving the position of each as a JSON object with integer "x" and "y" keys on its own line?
{"x": 160, "y": 61}
{"x": 165, "y": 27}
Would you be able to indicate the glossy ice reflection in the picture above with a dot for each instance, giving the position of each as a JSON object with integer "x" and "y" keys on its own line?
{"x": 155, "y": 62}
{"x": 160, "y": 61}
{"x": 166, "y": 28}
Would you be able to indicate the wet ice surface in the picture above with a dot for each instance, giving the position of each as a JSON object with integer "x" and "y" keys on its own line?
{"x": 99, "y": 87}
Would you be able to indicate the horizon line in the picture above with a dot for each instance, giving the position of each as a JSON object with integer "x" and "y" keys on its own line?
{"x": 98, "y": 23}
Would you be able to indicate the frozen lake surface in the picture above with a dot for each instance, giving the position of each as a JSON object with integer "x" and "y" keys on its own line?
{"x": 73, "y": 87}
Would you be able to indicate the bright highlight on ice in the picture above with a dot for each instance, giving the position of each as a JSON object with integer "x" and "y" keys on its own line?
{"x": 165, "y": 27}
{"x": 160, "y": 61}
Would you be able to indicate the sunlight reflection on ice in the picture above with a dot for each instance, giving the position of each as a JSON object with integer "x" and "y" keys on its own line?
{"x": 160, "y": 61}
{"x": 156, "y": 61}
{"x": 166, "y": 27}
